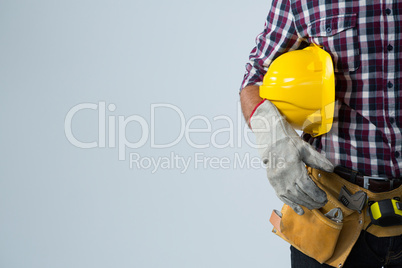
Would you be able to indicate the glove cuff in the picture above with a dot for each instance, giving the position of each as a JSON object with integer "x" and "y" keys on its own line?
{"x": 255, "y": 108}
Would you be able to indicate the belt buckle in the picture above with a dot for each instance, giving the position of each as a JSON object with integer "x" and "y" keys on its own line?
{"x": 366, "y": 180}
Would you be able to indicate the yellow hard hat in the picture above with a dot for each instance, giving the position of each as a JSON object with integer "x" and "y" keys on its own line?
{"x": 301, "y": 84}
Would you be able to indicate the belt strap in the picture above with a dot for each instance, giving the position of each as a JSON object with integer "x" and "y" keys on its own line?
{"x": 372, "y": 183}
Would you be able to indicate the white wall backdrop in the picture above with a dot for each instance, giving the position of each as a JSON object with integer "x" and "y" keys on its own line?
{"x": 89, "y": 91}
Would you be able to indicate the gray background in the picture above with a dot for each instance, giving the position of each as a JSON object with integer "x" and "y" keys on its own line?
{"x": 63, "y": 206}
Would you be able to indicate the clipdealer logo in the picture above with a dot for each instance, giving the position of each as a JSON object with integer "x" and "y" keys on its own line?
{"x": 112, "y": 133}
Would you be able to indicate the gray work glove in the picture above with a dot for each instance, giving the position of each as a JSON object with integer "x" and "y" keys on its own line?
{"x": 285, "y": 155}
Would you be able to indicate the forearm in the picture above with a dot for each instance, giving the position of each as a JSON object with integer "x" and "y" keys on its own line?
{"x": 249, "y": 98}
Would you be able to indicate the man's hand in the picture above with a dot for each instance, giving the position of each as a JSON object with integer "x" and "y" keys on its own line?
{"x": 288, "y": 153}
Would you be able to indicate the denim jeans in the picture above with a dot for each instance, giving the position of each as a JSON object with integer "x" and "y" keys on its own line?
{"x": 387, "y": 253}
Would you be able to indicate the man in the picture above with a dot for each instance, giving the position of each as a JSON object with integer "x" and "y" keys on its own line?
{"x": 364, "y": 41}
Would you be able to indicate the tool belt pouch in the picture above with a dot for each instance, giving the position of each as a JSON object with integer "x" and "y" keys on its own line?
{"x": 312, "y": 233}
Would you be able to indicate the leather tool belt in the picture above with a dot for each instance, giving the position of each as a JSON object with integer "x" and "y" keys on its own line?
{"x": 324, "y": 239}
{"x": 372, "y": 183}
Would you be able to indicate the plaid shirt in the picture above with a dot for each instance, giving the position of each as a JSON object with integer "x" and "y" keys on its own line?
{"x": 364, "y": 41}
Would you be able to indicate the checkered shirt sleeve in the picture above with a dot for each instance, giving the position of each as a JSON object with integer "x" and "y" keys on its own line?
{"x": 279, "y": 36}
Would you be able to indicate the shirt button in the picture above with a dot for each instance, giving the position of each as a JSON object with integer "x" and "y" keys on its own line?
{"x": 396, "y": 154}
{"x": 390, "y": 85}
{"x": 392, "y": 120}
{"x": 389, "y": 47}
{"x": 329, "y": 29}
{"x": 388, "y": 11}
